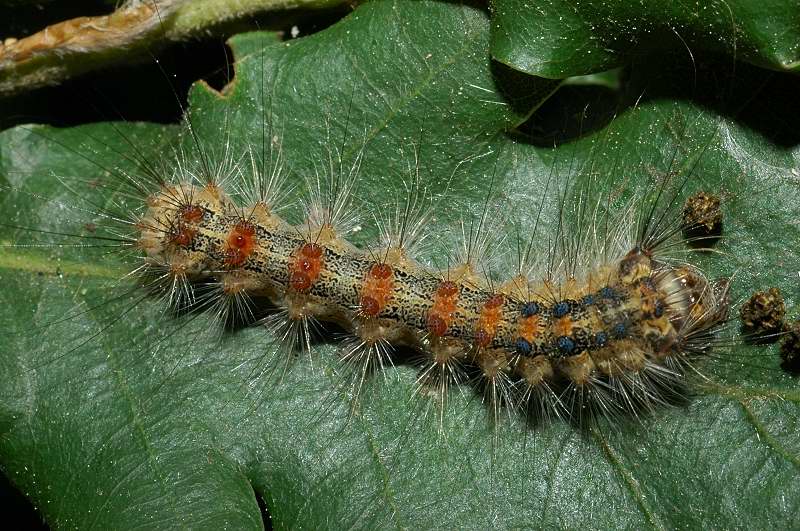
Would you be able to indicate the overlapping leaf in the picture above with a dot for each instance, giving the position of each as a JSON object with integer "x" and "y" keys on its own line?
{"x": 560, "y": 38}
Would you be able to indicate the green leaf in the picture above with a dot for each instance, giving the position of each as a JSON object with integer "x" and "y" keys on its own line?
{"x": 115, "y": 415}
{"x": 560, "y": 38}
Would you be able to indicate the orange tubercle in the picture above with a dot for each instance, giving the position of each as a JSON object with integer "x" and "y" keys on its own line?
{"x": 191, "y": 213}
{"x": 370, "y": 306}
{"x": 311, "y": 250}
{"x": 490, "y": 317}
{"x": 239, "y": 244}
{"x": 530, "y": 327}
{"x": 381, "y": 271}
{"x": 563, "y": 326}
{"x": 182, "y": 236}
{"x": 377, "y": 289}
{"x": 448, "y": 288}
{"x": 437, "y": 325}
{"x": 184, "y": 231}
{"x": 494, "y": 301}
{"x": 445, "y": 303}
{"x": 305, "y": 265}
{"x": 299, "y": 281}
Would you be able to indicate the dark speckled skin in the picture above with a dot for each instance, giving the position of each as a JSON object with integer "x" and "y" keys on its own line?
{"x": 632, "y": 306}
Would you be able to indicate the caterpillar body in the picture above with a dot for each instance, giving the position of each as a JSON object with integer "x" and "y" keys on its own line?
{"x": 170, "y": 283}
{"x": 615, "y": 327}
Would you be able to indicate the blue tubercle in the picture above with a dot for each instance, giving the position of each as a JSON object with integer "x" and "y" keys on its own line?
{"x": 530, "y": 309}
{"x": 600, "y": 339}
{"x": 560, "y": 309}
{"x": 565, "y": 344}
{"x": 523, "y": 346}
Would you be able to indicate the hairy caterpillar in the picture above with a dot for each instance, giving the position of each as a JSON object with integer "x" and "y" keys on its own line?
{"x": 175, "y": 378}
